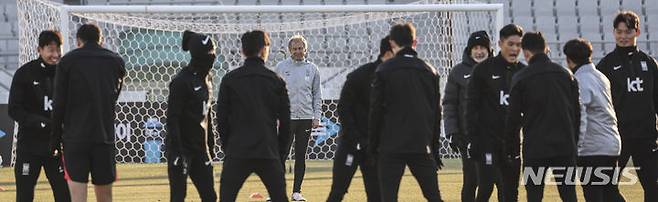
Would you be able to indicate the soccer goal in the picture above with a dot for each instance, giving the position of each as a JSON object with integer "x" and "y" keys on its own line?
{"x": 341, "y": 37}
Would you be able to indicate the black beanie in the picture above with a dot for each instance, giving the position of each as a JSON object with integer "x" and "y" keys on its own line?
{"x": 197, "y": 44}
{"x": 479, "y": 38}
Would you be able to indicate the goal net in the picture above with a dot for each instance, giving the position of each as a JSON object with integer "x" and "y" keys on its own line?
{"x": 340, "y": 39}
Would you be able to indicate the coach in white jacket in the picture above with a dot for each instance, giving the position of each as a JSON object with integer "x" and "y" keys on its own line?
{"x": 599, "y": 144}
{"x": 303, "y": 82}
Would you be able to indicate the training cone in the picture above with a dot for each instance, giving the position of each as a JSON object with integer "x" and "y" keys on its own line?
{"x": 256, "y": 196}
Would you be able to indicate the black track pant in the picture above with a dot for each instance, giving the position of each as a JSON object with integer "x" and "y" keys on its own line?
{"x": 346, "y": 161}
{"x": 199, "y": 169}
{"x": 236, "y": 171}
{"x": 563, "y": 170}
{"x": 470, "y": 180}
{"x": 423, "y": 168}
{"x": 595, "y": 188}
{"x": 27, "y": 170}
{"x": 645, "y": 157}
{"x": 301, "y": 130}
{"x": 495, "y": 169}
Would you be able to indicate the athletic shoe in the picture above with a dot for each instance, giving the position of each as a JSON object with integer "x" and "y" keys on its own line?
{"x": 296, "y": 196}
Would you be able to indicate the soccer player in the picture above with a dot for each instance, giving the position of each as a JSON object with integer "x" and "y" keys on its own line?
{"x": 405, "y": 117}
{"x": 599, "y": 142}
{"x": 353, "y": 110}
{"x": 87, "y": 85}
{"x": 190, "y": 140}
{"x": 254, "y": 122}
{"x": 303, "y": 82}
{"x": 30, "y": 104}
{"x": 486, "y": 109}
{"x": 477, "y": 50}
{"x": 633, "y": 76}
{"x": 544, "y": 101}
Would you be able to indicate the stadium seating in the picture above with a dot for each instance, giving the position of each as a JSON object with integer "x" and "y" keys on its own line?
{"x": 559, "y": 20}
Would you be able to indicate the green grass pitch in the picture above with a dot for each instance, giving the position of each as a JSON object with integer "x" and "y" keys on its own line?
{"x": 148, "y": 182}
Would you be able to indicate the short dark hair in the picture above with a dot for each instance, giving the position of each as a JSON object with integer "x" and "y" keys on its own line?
{"x": 384, "y": 45}
{"x": 48, "y": 37}
{"x": 510, "y": 30}
{"x": 89, "y": 33}
{"x": 578, "y": 50}
{"x": 253, "y": 41}
{"x": 629, "y": 18}
{"x": 534, "y": 42}
{"x": 403, "y": 34}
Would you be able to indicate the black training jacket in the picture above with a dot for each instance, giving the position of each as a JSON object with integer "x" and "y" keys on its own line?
{"x": 544, "y": 101}
{"x": 405, "y": 106}
{"x": 30, "y": 104}
{"x": 189, "y": 121}
{"x": 633, "y": 82}
{"x": 87, "y": 85}
{"x": 454, "y": 98}
{"x": 354, "y": 105}
{"x": 487, "y": 101}
{"x": 253, "y": 112}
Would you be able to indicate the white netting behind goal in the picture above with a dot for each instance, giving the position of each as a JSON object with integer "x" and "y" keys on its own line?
{"x": 150, "y": 45}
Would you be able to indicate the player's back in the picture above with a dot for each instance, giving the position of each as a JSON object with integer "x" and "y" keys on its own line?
{"x": 550, "y": 108}
{"x": 410, "y": 97}
{"x": 88, "y": 84}
{"x": 252, "y": 98}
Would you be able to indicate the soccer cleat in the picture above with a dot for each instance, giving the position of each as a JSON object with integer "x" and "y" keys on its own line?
{"x": 296, "y": 196}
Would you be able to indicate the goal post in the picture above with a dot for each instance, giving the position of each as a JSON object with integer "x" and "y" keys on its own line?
{"x": 340, "y": 37}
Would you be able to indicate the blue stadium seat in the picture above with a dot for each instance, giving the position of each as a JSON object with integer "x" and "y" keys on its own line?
{"x": 520, "y": 8}
{"x": 634, "y": 5}
{"x": 587, "y": 7}
{"x": 565, "y": 7}
{"x": 3, "y": 46}
{"x": 609, "y": 7}
{"x": 241, "y": 2}
{"x": 543, "y": 8}
{"x": 652, "y": 23}
{"x": 555, "y": 49}
{"x": 289, "y": 2}
{"x": 98, "y": 2}
{"x": 567, "y": 27}
{"x": 597, "y": 50}
{"x": 12, "y": 45}
{"x": 590, "y": 27}
{"x": 546, "y": 25}
{"x": 524, "y": 21}
{"x": 651, "y": 6}
{"x": 11, "y": 12}
{"x": 5, "y": 29}
{"x": 376, "y": 2}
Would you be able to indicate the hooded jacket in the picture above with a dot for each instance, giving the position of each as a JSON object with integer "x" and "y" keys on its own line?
{"x": 454, "y": 98}
{"x": 189, "y": 116}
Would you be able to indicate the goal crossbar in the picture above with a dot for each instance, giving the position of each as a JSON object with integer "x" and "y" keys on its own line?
{"x": 282, "y": 8}
{"x": 68, "y": 9}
